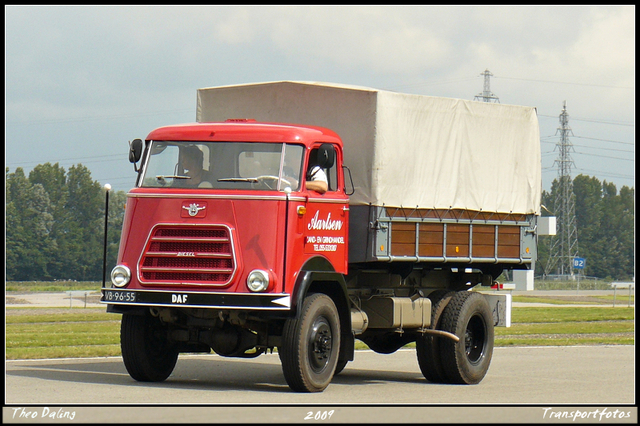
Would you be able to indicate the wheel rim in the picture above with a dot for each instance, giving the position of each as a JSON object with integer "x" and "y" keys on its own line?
{"x": 320, "y": 344}
{"x": 475, "y": 338}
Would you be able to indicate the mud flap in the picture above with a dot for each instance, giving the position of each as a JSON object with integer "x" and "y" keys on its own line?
{"x": 500, "y": 305}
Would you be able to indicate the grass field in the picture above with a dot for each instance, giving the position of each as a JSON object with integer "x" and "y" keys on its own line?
{"x": 36, "y": 333}
{"x": 39, "y": 286}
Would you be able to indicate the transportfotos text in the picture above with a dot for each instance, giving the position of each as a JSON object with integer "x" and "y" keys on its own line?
{"x": 599, "y": 414}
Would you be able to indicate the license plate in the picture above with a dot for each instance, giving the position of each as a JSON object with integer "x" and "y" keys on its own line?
{"x": 119, "y": 296}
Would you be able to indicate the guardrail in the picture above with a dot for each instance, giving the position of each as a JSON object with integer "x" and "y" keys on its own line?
{"x": 617, "y": 285}
{"x": 78, "y": 293}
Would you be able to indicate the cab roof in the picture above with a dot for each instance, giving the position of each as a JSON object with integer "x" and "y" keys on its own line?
{"x": 245, "y": 131}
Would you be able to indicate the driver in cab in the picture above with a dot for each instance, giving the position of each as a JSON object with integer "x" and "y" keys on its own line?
{"x": 192, "y": 164}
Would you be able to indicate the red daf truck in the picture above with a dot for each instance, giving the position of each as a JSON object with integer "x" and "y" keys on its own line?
{"x": 225, "y": 247}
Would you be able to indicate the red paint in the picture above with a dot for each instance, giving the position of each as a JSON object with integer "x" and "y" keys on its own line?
{"x": 183, "y": 239}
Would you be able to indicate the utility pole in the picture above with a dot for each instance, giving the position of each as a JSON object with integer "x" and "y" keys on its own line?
{"x": 486, "y": 95}
{"x": 564, "y": 247}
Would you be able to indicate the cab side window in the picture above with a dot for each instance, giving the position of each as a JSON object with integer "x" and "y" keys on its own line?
{"x": 322, "y": 165}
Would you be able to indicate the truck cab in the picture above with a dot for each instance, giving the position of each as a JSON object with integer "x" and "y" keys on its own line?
{"x": 206, "y": 224}
{"x": 222, "y": 233}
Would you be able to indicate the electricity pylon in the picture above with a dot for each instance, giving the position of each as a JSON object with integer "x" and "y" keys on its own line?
{"x": 486, "y": 95}
{"x": 564, "y": 246}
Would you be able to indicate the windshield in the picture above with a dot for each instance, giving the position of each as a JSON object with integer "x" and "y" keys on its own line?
{"x": 223, "y": 165}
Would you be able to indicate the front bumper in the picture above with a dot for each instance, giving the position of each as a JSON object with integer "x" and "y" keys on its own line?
{"x": 197, "y": 299}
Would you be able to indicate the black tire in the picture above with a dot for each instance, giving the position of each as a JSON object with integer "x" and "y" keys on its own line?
{"x": 340, "y": 366}
{"x": 469, "y": 317}
{"x": 311, "y": 344}
{"x": 428, "y": 345}
{"x": 146, "y": 351}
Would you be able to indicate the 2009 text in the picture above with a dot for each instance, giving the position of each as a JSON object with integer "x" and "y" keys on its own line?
{"x": 319, "y": 415}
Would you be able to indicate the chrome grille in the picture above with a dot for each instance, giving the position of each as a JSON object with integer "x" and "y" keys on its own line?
{"x": 188, "y": 254}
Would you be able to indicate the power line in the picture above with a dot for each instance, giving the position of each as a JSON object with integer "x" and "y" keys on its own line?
{"x": 94, "y": 158}
{"x": 592, "y": 139}
{"x": 615, "y": 123}
{"x": 606, "y": 140}
{"x": 605, "y": 156}
{"x": 613, "y": 175}
{"x": 604, "y": 149}
{"x": 99, "y": 117}
{"x": 566, "y": 82}
{"x": 431, "y": 83}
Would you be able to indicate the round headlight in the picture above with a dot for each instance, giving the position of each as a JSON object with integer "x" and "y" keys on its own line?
{"x": 258, "y": 280}
{"x": 120, "y": 276}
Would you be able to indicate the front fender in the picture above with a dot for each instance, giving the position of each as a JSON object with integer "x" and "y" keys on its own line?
{"x": 334, "y": 285}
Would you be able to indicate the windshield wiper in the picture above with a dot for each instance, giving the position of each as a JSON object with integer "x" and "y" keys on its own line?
{"x": 253, "y": 180}
{"x": 161, "y": 178}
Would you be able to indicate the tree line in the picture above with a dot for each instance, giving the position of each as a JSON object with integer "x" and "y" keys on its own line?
{"x": 55, "y": 226}
{"x": 605, "y": 222}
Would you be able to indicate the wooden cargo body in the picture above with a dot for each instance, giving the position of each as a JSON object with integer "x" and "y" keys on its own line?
{"x": 460, "y": 237}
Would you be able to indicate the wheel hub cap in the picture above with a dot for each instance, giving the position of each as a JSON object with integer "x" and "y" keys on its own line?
{"x": 320, "y": 344}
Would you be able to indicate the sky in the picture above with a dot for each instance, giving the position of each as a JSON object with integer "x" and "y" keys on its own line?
{"x": 82, "y": 81}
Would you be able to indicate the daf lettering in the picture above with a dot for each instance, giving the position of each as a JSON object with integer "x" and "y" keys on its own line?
{"x": 179, "y": 298}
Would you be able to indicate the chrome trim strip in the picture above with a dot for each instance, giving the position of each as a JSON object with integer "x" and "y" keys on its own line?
{"x": 207, "y": 225}
{"x": 328, "y": 200}
{"x": 450, "y": 259}
{"x": 282, "y": 197}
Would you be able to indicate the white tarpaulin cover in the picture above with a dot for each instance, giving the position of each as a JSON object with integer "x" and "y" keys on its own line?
{"x": 406, "y": 150}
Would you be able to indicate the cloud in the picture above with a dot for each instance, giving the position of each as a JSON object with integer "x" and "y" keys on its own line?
{"x": 66, "y": 63}
{"x": 607, "y": 45}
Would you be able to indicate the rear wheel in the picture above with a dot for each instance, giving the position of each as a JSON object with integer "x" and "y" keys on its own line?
{"x": 428, "y": 345}
{"x": 310, "y": 345}
{"x": 146, "y": 351}
{"x": 340, "y": 366}
{"x": 469, "y": 317}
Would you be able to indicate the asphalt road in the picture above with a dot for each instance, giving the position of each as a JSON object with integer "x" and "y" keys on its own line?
{"x": 523, "y": 385}
{"x": 525, "y": 378}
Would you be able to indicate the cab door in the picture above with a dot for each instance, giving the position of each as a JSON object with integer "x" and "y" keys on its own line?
{"x": 325, "y": 223}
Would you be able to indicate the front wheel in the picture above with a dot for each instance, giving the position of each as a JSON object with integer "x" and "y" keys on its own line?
{"x": 469, "y": 317}
{"x": 311, "y": 344}
{"x": 146, "y": 351}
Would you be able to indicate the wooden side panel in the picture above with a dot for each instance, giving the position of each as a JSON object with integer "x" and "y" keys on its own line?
{"x": 431, "y": 239}
{"x": 509, "y": 241}
{"x": 403, "y": 239}
{"x": 484, "y": 237}
{"x": 457, "y": 240}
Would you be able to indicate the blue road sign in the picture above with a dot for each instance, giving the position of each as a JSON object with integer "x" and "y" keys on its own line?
{"x": 579, "y": 262}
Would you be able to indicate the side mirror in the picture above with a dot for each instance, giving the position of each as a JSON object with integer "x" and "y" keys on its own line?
{"x": 353, "y": 188}
{"x": 135, "y": 150}
{"x": 326, "y": 156}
